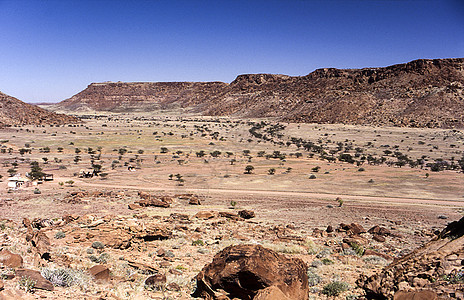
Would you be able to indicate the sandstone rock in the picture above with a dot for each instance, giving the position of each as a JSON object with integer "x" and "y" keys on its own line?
{"x": 173, "y": 287}
{"x": 100, "y": 272}
{"x": 418, "y": 295}
{"x": 205, "y": 215}
{"x": 426, "y": 268}
{"x": 13, "y": 295}
{"x": 378, "y": 238}
{"x": 40, "y": 282}
{"x": 352, "y": 229}
{"x": 229, "y": 215}
{"x": 242, "y": 271}
{"x": 271, "y": 293}
{"x": 156, "y": 281}
{"x": 10, "y": 259}
{"x": 377, "y": 230}
{"x": 42, "y": 244}
{"x": 194, "y": 201}
{"x": 246, "y": 214}
{"x": 369, "y": 252}
{"x": 133, "y": 206}
{"x": 153, "y": 202}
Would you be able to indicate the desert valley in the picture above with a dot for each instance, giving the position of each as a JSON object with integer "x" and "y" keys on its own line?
{"x": 341, "y": 184}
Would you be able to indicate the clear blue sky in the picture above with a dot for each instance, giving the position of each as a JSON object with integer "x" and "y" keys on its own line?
{"x": 51, "y": 50}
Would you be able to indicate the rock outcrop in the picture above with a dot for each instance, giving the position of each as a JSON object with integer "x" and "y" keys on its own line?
{"x": 14, "y": 112}
{"x": 252, "y": 271}
{"x": 435, "y": 269}
{"x": 421, "y": 93}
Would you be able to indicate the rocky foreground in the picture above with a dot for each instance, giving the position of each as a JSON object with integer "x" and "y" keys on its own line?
{"x": 421, "y": 93}
{"x": 155, "y": 254}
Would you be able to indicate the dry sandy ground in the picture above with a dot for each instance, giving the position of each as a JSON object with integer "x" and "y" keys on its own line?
{"x": 402, "y": 199}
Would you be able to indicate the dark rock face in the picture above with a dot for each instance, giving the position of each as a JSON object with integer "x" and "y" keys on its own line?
{"x": 433, "y": 270}
{"x": 243, "y": 271}
{"x": 14, "y": 112}
{"x": 421, "y": 93}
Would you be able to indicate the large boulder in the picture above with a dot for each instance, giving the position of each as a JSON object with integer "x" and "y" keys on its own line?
{"x": 435, "y": 270}
{"x": 245, "y": 271}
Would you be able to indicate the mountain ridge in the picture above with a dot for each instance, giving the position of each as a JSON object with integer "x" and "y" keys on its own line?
{"x": 420, "y": 93}
{"x": 14, "y": 112}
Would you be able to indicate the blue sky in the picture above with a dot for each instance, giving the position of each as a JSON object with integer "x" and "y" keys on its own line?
{"x": 51, "y": 50}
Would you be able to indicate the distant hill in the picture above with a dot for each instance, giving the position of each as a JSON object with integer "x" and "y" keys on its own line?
{"x": 15, "y": 112}
{"x": 421, "y": 93}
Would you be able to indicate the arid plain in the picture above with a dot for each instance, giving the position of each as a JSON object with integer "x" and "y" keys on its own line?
{"x": 295, "y": 189}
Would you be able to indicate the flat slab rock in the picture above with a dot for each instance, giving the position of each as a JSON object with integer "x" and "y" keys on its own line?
{"x": 40, "y": 282}
{"x": 248, "y": 271}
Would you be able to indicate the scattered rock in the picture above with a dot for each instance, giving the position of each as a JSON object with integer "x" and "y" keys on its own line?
{"x": 100, "y": 272}
{"x": 242, "y": 271}
{"x": 10, "y": 259}
{"x": 271, "y": 293}
{"x": 194, "y": 201}
{"x": 417, "y": 295}
{"x": 12, "y": 295}
{"x": 205, "y": 215}
{"x": 378, "y": 238}
{"x": 133, "y": 206}
{"x": 229, "y": 215}
{"x": 329, "y": 229}
{"x": 156, "y": 281}
{"x": 434, "y": 267}
{"x": 352, "y": 229}
{"x": 377, "y": 230}
{"x": 42, "y": 244}
{"x": 246, "y": 214}
{"x": 40, "y": 282}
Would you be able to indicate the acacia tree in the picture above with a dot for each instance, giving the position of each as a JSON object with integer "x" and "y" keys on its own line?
{"x": 249, "y": 169}
{"x": 36, "y": 171}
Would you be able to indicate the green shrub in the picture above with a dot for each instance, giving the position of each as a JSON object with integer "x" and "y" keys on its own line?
{"x": 60, "y": 235}
{"x": 102, "y": 259}
{"x": 313, "y": 278}
{"x": 98, "y": 245}
{"x": 198, "y": 243}
{"x": 64, "y": 276}
{"x": 26, "y": 283}
{"x": 327, "y": 261}
{"x": 335, "y": 288}
{"x": 359, "y": 249}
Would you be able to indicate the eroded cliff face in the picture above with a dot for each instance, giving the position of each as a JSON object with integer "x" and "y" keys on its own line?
{"x": 15, "y": 112}
{"x": 140, "y": 96}
{"x": 421, "y": 93}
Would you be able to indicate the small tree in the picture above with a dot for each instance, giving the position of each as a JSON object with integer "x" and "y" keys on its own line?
{"x": 11, "y": 172}
{"x": 249, "y": 169}
{"x": 271, "y": 171}
{"x": 164, "y": 150}
{"x": 36, "y": 171}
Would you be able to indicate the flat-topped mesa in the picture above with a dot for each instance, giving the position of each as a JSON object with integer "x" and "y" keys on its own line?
{"x": 420, "y": 93}
{"x": 14, "y": 112}
{"x": 143, "y": 96}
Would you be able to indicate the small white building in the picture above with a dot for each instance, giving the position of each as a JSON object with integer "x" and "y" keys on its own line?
{"x": 17, "y": 182}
